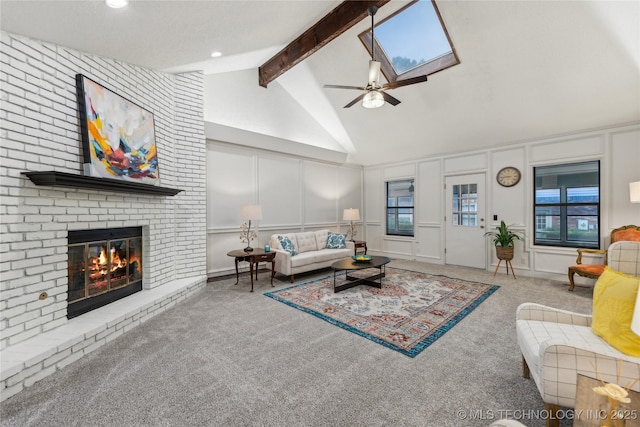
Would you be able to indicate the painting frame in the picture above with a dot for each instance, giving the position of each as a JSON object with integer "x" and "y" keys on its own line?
{"x": 118, "y": 135}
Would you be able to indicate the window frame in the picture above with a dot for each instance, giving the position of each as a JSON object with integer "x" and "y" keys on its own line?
{"x": 564, "y": 205}
{"x": 397, "y": 208}
{"x": 430, "y": 67}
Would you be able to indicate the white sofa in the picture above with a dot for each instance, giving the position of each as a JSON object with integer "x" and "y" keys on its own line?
{"x": 311, "y": 252}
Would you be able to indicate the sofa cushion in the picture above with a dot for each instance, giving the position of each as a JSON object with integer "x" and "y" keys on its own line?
{"x": 302, "y": 259}
{"x": 336, "y": 240}
{"x": 321, "y": 238}
{"x": 287, "y": 245}
{"x": 332, "y": 254}
{"x": 306, "y": 242}
{"x": 614, "y": 298}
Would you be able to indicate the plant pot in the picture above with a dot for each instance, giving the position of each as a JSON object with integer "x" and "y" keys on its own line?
{"x": 504, "y": 253}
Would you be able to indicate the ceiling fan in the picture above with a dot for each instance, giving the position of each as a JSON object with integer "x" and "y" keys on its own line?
{"x": 374, "y": 95}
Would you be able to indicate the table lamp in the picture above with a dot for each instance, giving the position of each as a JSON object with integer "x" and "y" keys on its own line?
{"x": 351, "y": 215}
{"x": 248, "y": 213}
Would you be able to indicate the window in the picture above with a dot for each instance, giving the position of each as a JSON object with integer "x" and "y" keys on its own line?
{"x": 465, "y": 205}
{"x": 567, "y": 205}
{"x": 412, "y": 42}
{"x": 400, "y": 209}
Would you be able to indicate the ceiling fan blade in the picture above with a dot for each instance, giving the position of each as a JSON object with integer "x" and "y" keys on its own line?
{"x": 355, "y": 101}
{"x": 374, "y": 72}
{"x": 344, "y": 87}
{"x": 390, "y": 99}
{"x": 405, "y": 82}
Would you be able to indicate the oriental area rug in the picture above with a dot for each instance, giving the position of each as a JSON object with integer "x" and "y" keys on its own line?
{"x": 409, "y": 313}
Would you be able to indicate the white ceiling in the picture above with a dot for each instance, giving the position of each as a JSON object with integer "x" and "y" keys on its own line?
{"x": 528, "y": 69}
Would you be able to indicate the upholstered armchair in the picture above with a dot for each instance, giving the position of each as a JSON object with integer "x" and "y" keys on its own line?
{"x": 557, "y": 345}
{"x": 593, "y": 271}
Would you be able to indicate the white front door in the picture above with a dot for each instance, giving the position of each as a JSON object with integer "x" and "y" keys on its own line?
{"x": 465, "y": 221}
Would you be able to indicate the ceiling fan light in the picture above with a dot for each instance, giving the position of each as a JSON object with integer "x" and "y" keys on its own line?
{"x": 116, "y": 4}
{"x": 373, "y": 99}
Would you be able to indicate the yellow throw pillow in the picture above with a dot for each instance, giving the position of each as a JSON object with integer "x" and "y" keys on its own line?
{"x": 614, "y": 299}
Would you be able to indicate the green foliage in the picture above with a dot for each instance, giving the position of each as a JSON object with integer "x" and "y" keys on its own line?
{"x": 402, "y": 64}
{"x": 504, "y": 236}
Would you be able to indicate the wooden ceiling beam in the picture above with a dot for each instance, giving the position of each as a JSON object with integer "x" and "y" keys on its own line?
{"x": 339, "y": 20}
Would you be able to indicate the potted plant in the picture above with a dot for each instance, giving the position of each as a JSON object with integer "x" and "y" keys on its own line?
{"x": 504, "y": 239}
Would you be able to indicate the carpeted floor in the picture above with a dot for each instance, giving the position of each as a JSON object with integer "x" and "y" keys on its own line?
{"x": 408, "y": 314}
{"x": 228, "y": 357}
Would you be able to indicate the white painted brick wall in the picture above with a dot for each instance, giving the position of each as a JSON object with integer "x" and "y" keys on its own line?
{"x": 39, "y": 131}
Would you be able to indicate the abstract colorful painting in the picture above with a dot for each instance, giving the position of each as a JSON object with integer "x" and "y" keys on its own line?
{"x": 118, "y": 136}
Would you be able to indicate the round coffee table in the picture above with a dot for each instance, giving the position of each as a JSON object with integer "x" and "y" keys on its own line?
{"x": 349, "y": 264}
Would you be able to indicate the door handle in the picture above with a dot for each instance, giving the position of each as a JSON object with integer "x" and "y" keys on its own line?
{"x": 482, "y": 226}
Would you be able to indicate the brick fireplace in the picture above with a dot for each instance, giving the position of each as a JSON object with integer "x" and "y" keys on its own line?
{"x": 41, "y": 329}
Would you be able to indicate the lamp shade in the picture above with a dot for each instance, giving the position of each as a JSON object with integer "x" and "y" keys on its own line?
{"x": 351, "y": 215}
{"x": 373, "y": 99}
{"x": 251, "y": 212}
{"x": 634, "y": 192}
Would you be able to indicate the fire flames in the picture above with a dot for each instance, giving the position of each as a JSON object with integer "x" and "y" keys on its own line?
{"x": 100, "y": 264}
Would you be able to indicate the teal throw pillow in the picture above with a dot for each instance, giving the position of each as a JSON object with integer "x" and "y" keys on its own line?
{"x": 336, "y": 241}
{"x": 287, "y": 245}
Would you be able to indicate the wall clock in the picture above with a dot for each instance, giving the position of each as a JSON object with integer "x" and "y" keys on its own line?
{"x": 509, "y": 176}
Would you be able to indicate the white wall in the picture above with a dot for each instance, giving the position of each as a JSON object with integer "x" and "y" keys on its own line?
{"x": 234, "y": 99}
{"x": 618, "y": 149}
{"x": 295, "y": 193}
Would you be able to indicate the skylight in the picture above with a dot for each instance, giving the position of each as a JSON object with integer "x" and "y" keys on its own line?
{"x": 412, "y": 42}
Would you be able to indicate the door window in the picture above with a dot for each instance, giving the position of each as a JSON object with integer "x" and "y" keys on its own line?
{"x": 465, "y": 205}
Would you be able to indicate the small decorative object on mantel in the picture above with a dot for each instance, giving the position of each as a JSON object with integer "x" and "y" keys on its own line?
{"x": 248, "y": 213}
{"x": 504, "y": 240}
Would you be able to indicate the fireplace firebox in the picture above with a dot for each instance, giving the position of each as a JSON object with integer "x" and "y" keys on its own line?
{"x": 104, "y": 265}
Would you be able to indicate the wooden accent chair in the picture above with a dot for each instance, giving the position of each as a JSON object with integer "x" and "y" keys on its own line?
{"x": 593, "y": 271}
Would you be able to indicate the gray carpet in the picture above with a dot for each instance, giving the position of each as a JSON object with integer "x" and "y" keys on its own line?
{"x": 228, "y": 357}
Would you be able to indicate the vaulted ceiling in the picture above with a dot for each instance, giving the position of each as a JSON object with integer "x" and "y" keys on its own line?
{"x": 528, "y": 70}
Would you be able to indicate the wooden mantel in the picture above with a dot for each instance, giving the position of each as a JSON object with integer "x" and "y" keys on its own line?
{"x": 69, "y": 180}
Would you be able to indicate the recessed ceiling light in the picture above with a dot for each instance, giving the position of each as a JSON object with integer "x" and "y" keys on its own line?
{"x": 116, "y": 4}
{"x": 216, "y": 54}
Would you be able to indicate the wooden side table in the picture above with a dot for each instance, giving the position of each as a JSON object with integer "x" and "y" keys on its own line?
{"x": 358, "y": 244}
{"x": 254, "y": 257}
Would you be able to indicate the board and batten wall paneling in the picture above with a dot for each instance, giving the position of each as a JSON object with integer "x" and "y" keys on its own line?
{"x": 399, "y": 172}
{"x": 429, "y": 189}
{"x": 350, "y": 187}
{"x": 455, "y": 165}
{"x": 320, "y": 193}
{"x": 230, "y": 185}
{"x": 280, "y": 189}
{"x": 625, "y": 160}
{"x": 508, "y": 203}
{"x": 428, "y": 248}
{"x": 567, "y": 150}
{"x": 429, "y": 211}
{"x": 374, "y": 200}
